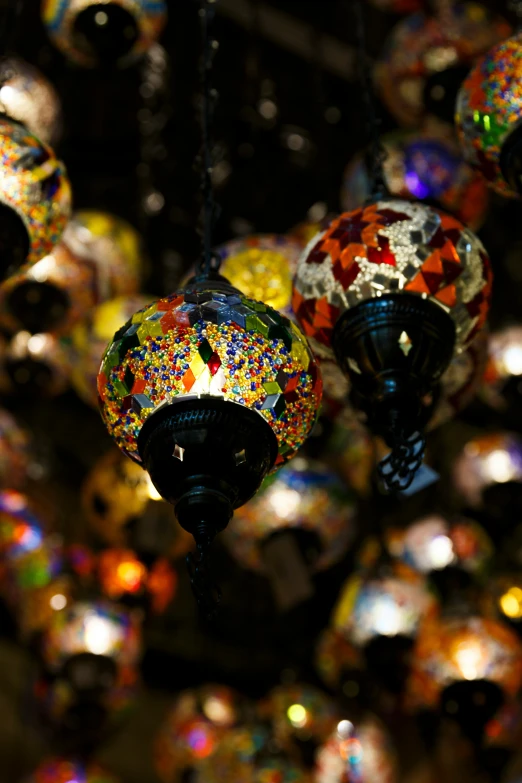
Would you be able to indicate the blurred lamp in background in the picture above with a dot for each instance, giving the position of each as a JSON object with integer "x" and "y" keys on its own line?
{"x": 426, "y": 59}
{"x": 93, "y": 33}
{"x": 99, "y": 258}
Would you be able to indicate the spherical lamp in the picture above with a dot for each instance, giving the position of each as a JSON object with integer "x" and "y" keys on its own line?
{"x": 262, "y": 267}
{"x": 357, "y": 752}
{"x": 123, "y": 508}
{"x": 35, "y": 197}
{"x": 434, "y": 543}
{"x": 427, "y": 57}
{"x": 304, "y": 498}
{"x": 36, "y": 364}
{"x": 193, "y": 728}
{"x": 98, "y": 259}
{"x": 104, "y": 32}
{"x": 373, "y": 605}
{"x": 465, "y": 666}
{"x": 29, "y": 98}
{"x": 208, "y": 390}
{"x": 299, "y": 713}
{"x": 488, "y": 115}
{"x": 425, "y": 166}
{"x": 393, "y": 290}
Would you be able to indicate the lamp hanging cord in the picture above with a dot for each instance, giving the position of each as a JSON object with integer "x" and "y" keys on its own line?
{"x": 208, "y": 263}
{"x": 206, "y": 591}
{"x": 378, "y": 153}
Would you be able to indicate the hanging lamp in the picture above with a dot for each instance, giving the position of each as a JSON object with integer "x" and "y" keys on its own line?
{"x": 207, "y": 389}
{"x": 392, "y": 290}
{"x": 113, "y": 32}
{"x": 489, "y": 112}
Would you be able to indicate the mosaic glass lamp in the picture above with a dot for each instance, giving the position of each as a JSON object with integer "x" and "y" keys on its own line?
{"x": 393, "y": 291}
{"x": 208, "y": 390}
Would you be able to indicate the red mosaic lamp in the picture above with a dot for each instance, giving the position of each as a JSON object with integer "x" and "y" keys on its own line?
{"x": 392, "y": 290}
{"x": 208, "y": 390}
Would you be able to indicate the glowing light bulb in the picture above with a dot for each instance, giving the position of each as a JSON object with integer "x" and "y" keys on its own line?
{"x": 297, "y": 715}
{"x": 499, "y": 466}
{"x": 512, "y": 359}
{"x": 218, "y": 711}
{"x": 441, "y": 551}
{"x": 469, "y": 658}
{"x": 511, "y": 603}
{"x": 387, "y": 617}
{"x": 100, "y": 635}
{"x": 344, "y": 728}
{"x": 58, "y": 602}
{"x": 285, "y": 502}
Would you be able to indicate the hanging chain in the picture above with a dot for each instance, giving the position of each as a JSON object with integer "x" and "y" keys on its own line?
{"x": 208, "y": 263}
{"x": 378, "y": 153}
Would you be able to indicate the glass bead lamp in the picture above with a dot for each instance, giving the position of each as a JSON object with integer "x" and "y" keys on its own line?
{"x": 208, "y": 390}
{"x": 35, "y": 197}
{"x": 488, "y": 117}
{"x": 262, "y": 267}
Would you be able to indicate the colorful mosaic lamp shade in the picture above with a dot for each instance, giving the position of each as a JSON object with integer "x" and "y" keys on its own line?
{"x": 486, "y": 461}
{"x": 207, "y": 383}
{"x": 457, "y": 658}
{"x": 104, "y": 32}
{"x": 36, "y": 364}
{"x": 30, "y": 561}
{"x": 35, "y": 197}
{"x": 357, "y": 752}
{"x": 489, "y": 114}
{"x": 297, "y": 712}
{"x": 374, "y": 605}
{"x": 434, "y": 543}
{"x": 262, "y": 267}
{"x": 247, "y": 754}
{"x": 303, "y": 497}
{"x": 27, "y": 97}
{"x": 392, "y": 291}
{"x": 62, "y": 770}
{"x": 425, "y": 166}
{"x": 94, "y": 629}
{"x": 427, "y": 57}
{"x": 98, "y": 259}
{"x": 193, "y": 729}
